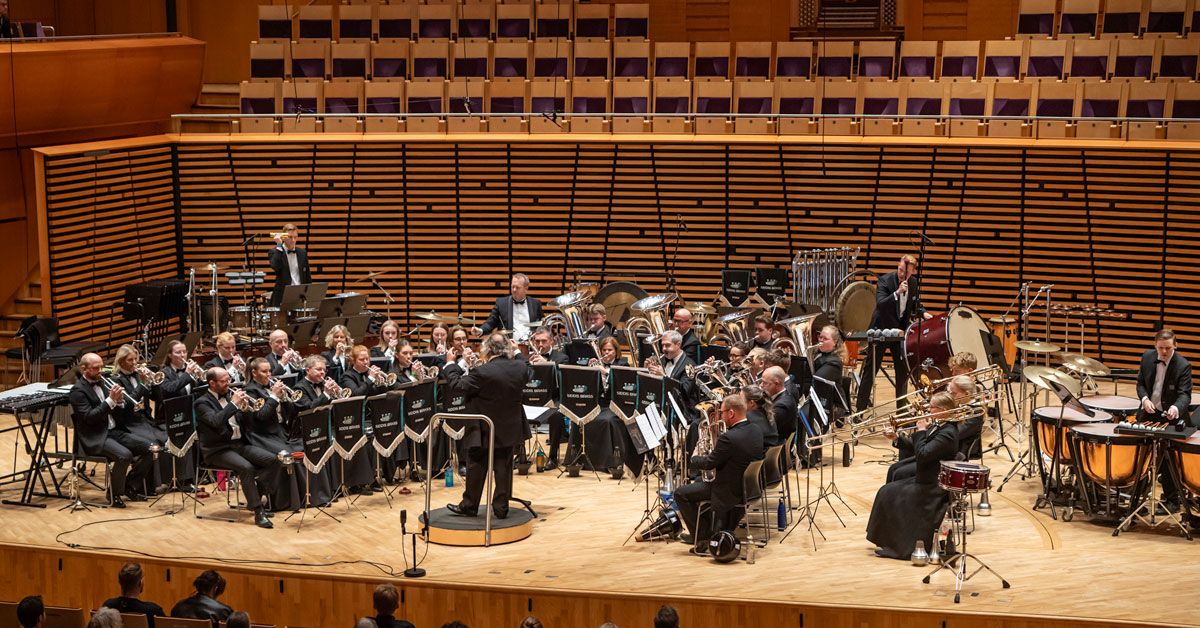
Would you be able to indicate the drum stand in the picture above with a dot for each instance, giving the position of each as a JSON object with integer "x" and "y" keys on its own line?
{"x": 958, "y": 562}
{"x": 1150, "y": 505}
{"x": 1052, "y": 482}
{"x": 308, "y": 500}
{"x": 174, "y": 488}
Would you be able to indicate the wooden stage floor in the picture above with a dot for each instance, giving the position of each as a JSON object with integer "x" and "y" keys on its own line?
{"x": 1074, "y": 570}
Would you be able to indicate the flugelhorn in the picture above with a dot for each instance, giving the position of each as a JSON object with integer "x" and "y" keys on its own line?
{"x": 423, "y": 372}
{"x": 293, "y": 359}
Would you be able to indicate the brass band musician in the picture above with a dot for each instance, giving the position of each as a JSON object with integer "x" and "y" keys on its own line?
{"x": 281, "y": 355}
{"x": 337, "y": 349}
{"x": 289, "y": 261}
{"x": 897, "y": 303}
{"x": 228, "y": 358}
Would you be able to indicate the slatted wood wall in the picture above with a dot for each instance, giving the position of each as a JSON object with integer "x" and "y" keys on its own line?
{"x": 450, "y": 221}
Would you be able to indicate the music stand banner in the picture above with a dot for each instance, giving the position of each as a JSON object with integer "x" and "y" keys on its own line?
{"x": 735, "y": 285}
{"x": 314, "y": 426}
{"x": 386, "y": 413}
{"x": 650, "y": 391}
{"x": 623, "y": 383}
{"x": 181, "y": 425}
{"x": 541, "y": 388}
{"x": 579, "y": 392}
{"x": 419, "y": 404}
{"x": 347, "y": 421}
{"x": 772, "y": 283}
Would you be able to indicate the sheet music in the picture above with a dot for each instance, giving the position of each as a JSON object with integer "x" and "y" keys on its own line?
{"x": 683, "y": 418}
{"x": 656, "y": 422}
{"x": 646, "y": 427}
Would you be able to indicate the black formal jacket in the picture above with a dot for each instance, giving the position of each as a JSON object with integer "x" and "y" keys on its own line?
{"x": 277, "y": 368}
{"x": 228, "y": 366}
{"x": 264, "y": 422}
{"x": 279, "y": 264}
{"x": 360, "y": 383}
{"x": 931, "y": 447}
{"x": 212, "y": 425}
{"x": 828, "y": 366}
{"x": 90, "y": 415}
{"x": 605, "y": 331}
{"x": 786, "y": 414}
{"x": 175, "y": 384}
{"x": 502, "y": 313}
{"x": 134, "y": 606}
{"x": 313, "y": 395}
{"x": 731, "y": 454}
{"x": 690, "y": 396}
{"x": 1177, "y": 388}
{"x": 887, "y": 308}
{"x": 201, "y": 607}
{"x": 494, "y": 389}
{"x": 770, "y": 435}
{"x": 332, "y": 369}
{"x": 125, "y": 414}
{"x": 691, "y": 346}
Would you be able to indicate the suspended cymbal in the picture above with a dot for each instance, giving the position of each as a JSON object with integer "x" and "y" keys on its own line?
{"x": 434, "y": 316}
{"x": 1036, "y": 375}
{"x": 1041, "y": 376}
{"x": 463, "y": 320}
{"x": 1037, "y": 346}
{"x": 208, "y": 268}
{"x": 373, "y": 274}
{"x": 701, "y": 308}
{"x": 1082, "y": 364}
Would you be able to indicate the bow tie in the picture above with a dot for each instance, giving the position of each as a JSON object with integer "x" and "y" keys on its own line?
{"x": 516, "y": 302}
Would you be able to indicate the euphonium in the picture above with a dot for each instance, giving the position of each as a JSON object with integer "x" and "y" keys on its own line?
{"x": 707, "y": 433}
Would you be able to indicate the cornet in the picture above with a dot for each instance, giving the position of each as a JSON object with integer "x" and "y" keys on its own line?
{"x": 383, "y": 379}
{"x": 126, "y": 398}
{"x": 195, "y": 370}
{"x": 247, "y": 404}
{"x": 291, "y": 394}
{"x": 424, "y": 372}
{"x": 293, "y": 359}
{"x": 239, "y": 365}
{"x": 148, "y": 377}
{"x": 335, "y": 391}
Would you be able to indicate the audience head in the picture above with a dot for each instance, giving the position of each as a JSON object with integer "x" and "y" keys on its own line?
{"x": 31, "y": 611}
{"x": 386, "y": 599}
{"x": 608, "y": 624}
{"x": 365, "y": 622}
{"x": 667, "y": 617}
{"x": 108, "y": 618}
{"x": 531, "y": 622}
{"x": 240, "y": 619}
{"x": 131, "y": 579}
{"x": 209, "y": 583}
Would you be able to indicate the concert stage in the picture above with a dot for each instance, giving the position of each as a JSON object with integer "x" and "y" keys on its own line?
{"x": 575, "y": 571}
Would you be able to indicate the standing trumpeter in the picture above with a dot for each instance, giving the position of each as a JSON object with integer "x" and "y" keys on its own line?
{"x": 897, "y": 304}
{"x": 289, "y": 261}
{"x": 515, "y": 311}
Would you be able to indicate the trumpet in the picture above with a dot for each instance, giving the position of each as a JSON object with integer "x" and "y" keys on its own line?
{"x": 247, "y": 404}
{"x": 239, "y": 365}
{"x": 335, "y": 391}
{"x": 291, "y": 394}
{"x": 148, "y": 377}
{"x": 382, "y": 379}
{"x": 126, "y": 398}
{"x": 195, "y": 370}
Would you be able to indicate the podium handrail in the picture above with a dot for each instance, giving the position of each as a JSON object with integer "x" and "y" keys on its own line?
{"x": 442, "y": 417}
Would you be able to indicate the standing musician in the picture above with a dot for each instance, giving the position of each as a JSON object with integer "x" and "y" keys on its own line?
{"x": 224, "y": 443}
{"x": 280, "y": 356}
{"x": 764, "y": 332}
{"x": 337, "y": 349}
{"x": 598, "y": 325}
{"x": 228, "y": 358}
{"x": 732, "y": 452}
{"x": 542, "y": 350}
{"x": 289, "y": 261}
{"x": 389, "y": 341}
{"x": 911, "y": 509}
{"x": 681, "y": 322}
{"x": 493, "y": 388}
{"x": 140, "y": 428}
{"x": 268, "y": 430}
{"x": 897, "y": 303}
{"x": 1164, "y": 385}
{"x": 516, "y": 311}
{"x": 92, "y": 406}
{"x": 364, "y": 380}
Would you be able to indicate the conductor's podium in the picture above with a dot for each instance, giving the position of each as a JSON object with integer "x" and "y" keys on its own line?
{"x": 446, "y": 528}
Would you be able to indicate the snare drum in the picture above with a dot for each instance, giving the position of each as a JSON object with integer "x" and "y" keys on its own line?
{"x": 1115, "y": 405}
{"x": 1049, "y": 439}
{"x": 240, "y": 320}
{"x": 964, "y": 477}
{"x": 301, "y": 314}
{"x": 1005, "y": 328}
{"x": 268, "y": 320}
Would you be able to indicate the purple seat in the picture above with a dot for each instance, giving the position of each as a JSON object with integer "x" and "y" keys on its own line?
{"x": 308, "y": 68}
{"x": 636, "y": 67}
{"x": 629, "y": 104}
{"x": 257, "y": 105}
{"x": 1145, "y": 108}
{"x": 383, "y": 104}
{"x": 1122, "y": 23}
{"x": 550, "y": 66}
{"x": 1017, "y": 107}
{"x": 424, "y": 104}
{"x": 1001, "y": 66}
{"x": 1035, "y": 24}
{"x": 1133, "y": 66}
{"x": 755, "y": 105}
{"x": 875, "y": 66}
{"x": 881, "y": 106}
{"x": 1055, "y": 107}
{"x": 547, "y": 104}
{"x": 433, "y": 29}
{"x": 1078, "y": 24}
{"x": 671, "y": 66}
{"x": 395, "y": 29}
{"x": 274, "y": 29}
{"x": 796, "y": 106}
{"x": 511, "y": 67}
{"x": 479, "y": 29}
{"x": 512, "y": 28}
{"x": 1189, "y": 109}
{"x": 923, "y": 107}
{"x": 1100, "y": 108}
{"x": 917, "y": 67}
{"x": 960, "y": 67}
{"x": 671, "y": 104}
{"x": 580, "y": 104}
{"x": 1195, "y": 21}
{"x": 592, "y": 27}
{"x": 966, "y": 106}
{"x": 553, "y": 27}
{"x": 429, "y": 67}
{"x": 341, "y": 105}
{"x": 1165, "y": 22}
{"x": 1089, "y": 66}
{"x": 834, "y": 66}
{"x": 1183, "y": 66}
{"x": 509, "y": 104}
{"x": 266, "y": 68}
{"x": 473, "y": 67}
{"x": 389, "y": 68}
{"x": 591, "y": 66}
{"x": 350, "y": 67}
{"x": 354, "y": 29}
{"x": 299, "y": 105}
{"x": 632, "y": 27}
{"x": 458, "y": 104}
{"x": 1046, "y": 66}
{"x": 795, "y": 67}
{"x": 705, "y": 104}
{"x": 757, "y": 67}
{"x": 710, "y": 67}
{"x": 840, "y": 106}
{"x": 316, "y": 29}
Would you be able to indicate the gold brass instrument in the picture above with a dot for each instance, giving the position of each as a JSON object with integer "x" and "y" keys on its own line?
{"x": 195, "y": 370}
{"x": 471, "y": 358}
{"x": 148, "y": 377}
{"x": 423, "y": 372}
{"x": 279, "y": 235}
{"x": 335, "y": 391}
{"x": 710, "y": 429}
{"x": 291, "y": 394}
{"x": 247, "y": 404}
{"x": 652, "y": 318}
{"x": 715, "y": 369}
{"x": 734, "y": 326}
{"x": 383, "y": 379}
{"x": 803, "y": 331}
{"x": 126, "y": 399}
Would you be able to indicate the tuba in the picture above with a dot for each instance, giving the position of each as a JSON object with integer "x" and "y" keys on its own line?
{"x": 571, "y": 314}
{"x": 803, "y": 331}
{"x": 711, "y": 427}
{"x": 734, "y": 327}
{"x": 651, "y": 318}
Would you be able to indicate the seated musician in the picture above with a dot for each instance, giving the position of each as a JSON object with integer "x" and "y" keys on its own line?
{"x": 141, "y": 429}
{"x": 826, "y": 359}
{"x": 603, "y": 435}
{"x": 224, "y": 443}
{"x": 732, "y": 452}
{"x": 782, "y": 359}
{"x": 92, "y": 406}
{"x": 460, "y": 345}
{"x": 757, "y": 362}
{"x": 181, "y": 376}
{"x": 598, "y": 325}
{"x": 1164, "y": 385}
{"x": 739, "y": 353}
{"x": 228, "y": 358}
{"x": 970, "y": 431}
{"x": 316, "y": 389}
{"x": 439, "y": 339}
{"x": 403, "y": 361}
{"x": 515, "y": 311}
{"x": 761, "y": 412}
{"x": 280, "y": 355}
{"x": 681, "y": 321}
{"x": 674, "y": 364}
{"x": 764, "y": 332}
{"x": 542, "y": 350}
{"x": 784, "y": 406}
{"x": 337, "y": 349}
{"x": 389, "y": 340}
{"x": 268, "y": 429}
{"x": 364, "y": 380}
{"x": 911, "y": 509}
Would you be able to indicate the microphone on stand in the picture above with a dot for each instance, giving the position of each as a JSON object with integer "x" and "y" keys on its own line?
{"x": 927, "y": 239}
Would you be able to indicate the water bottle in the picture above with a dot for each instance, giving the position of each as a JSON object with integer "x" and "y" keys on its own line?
{"x": 782, "y": 515}
{"x": 449, "y": 475}
{"x": 540, "y": 459}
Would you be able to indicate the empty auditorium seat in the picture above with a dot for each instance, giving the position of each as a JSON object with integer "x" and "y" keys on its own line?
{"x": 1091, "y": 59}
{"x": 348, "y": 60}
{"x": 671, "y": 60}
{"x": 310, "y": 61}
{"x": 1147, "y": 100}
{"x": 269, "y": 61}
{"x": 386, "y": 99}
{"x": 506, "y": 97}
{"x": 1134, "y": 59}
{"x": 1177, "y": 59}
{"x": 835, "y": 59}
{"x": 1046, "y": 59}
{"x": 1056, "y": 100}
{"x": 470, "y": 60}
{"x": 425, "y": 98}
{"x": 435, "y": 22}
{"x": 314, "y": 22}
{"x": 1015, "y": 100}
{"x": 514, "y": 22}
{"x": 590, "y": 97}
{"x": 394, "y": 22}
{"x": 754, "y": 98}
{"x": 710, "y": 61}
{"x": 877, "y": 60}
{"x": 1184, "y": 111}
{"x": 923, "y": 98}
{"x": 631, "y": 60}
{"x": 301, "y": 97}
{"x": 793, "y": 60}
{"x": 1079, "y": 18}
{"x": 1035, "y": 18}
{"x": 877, "y": 102}
{"x": 1123, "y": 18}
{"x": 258, "y": 97}
{"x": 838, "y": 107}
{"x": 390, "y": 60}
{"x": 476, "y": 21}
{"x": 467, "y": 100}
{"x": 672, "y": 104}
{"x": 712, "y": 102}
{"x": 551, "y": 58}
{"x": 918, "y": 60}
{"x": 751, "y": 60}
{"x": 342, "y": 97}
{"x": 510, "y": 60}
{"x": 960, "y": 61}
{"x": 1166, "y": 18}
{"x": 356, "y": 23}
{"x": 1003, "y": 59}
{"x": 592, "y": 22}
{"x": 1101, "y": 100}
{"x": 592, "y": 60}
{"x": 274, "y": 23}
{"x": 796, "y": 102}
{"x": 631, "y": 21}
{"x": 966, "y": 105}
{"x": 430, "y": 60}
{"x": 631, "y": 100}
{"x": 548, "y": 99}
{"x": 552, "y": 20}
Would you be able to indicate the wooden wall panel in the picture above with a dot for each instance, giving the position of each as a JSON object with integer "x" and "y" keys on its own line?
{"x": 450, "y": 221}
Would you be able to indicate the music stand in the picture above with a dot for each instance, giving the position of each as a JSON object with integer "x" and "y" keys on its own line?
{"x": 341, "y": 305}
{"x": 317, "y": 449}
{"x": 386, "y": 413}
{"x": 181, "y": 435}
{"x": 300, "y": 295}
{"x": 348, "y": 436}
{"x": 357, "y": 324}
{"x": 831, "y": 489}
{"x": 302, "y": 333}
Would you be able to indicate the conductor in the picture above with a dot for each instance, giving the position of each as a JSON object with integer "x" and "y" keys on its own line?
{"x": 493, "y": 389}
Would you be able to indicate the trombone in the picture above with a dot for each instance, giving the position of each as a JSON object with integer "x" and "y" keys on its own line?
{"x": 905, "y": 419}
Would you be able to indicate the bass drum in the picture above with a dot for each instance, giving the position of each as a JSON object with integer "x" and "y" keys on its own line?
{"x": 617, "y": 297}
{"x": 929, "y": 344}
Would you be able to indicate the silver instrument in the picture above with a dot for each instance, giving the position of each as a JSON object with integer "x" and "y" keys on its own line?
{"x": 126, "y": 399}
{"x": 651, "y": 317}
{"x": 818, "y": 275}
{"x": 195, "y": 370}
{"x": 293, "y": 359}
{"x": 147, "y": 377}
{"x": 383, "y": 379}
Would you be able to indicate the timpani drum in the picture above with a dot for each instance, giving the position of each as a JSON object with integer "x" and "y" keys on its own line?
{"x": 240, "y": 320}
{"x": 1005, "y": 328}
{"x": 1115, "y": 405}
{"x": 1109, "y": 460}
{"x": 1049, "y": 439}
{"x": 1184, "y": 454}
{"x": 928, "y": 344}
{"x": 963, "y": 477}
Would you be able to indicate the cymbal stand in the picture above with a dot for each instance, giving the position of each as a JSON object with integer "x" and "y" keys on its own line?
{"x": 806, "y": 506}
{"x": 960, "y": 506}
{"x": 77, "y": 502}
{"x": 1149, "y": 505}
{"x": 387, "y": 297}
{"x": 308, "y": 500}
{"x": 216, "y": 306}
